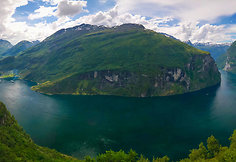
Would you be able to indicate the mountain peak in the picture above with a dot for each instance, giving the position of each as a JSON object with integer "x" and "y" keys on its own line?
{"x": 130, "y": 26}
{"x": 189, "y": 43}
{"x": 18, "y": 48}
{"x": 5, "y": 43}
{"x": 87, "y": 27}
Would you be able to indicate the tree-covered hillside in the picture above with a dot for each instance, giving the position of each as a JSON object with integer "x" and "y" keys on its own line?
{"x": 126, "y": 60}
{"x": 16, "y": 145}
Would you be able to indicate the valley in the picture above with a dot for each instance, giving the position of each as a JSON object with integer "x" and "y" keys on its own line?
{"x": 89, "y": 125}
{"x": 117, "y": 81}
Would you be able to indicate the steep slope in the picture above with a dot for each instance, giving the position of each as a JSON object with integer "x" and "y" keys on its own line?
{"x": 4, "y": 45}
{"x": 221, "y": 61}
{"x": 16, "y": 145}
{"x": 228, "y": 61}
{"x": 18, "y": 48}
{"x": 216, "y": 50}
{"x": 126, "y": 60}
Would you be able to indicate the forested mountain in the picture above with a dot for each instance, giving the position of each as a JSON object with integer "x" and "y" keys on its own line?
{"x": 126, "y": 60}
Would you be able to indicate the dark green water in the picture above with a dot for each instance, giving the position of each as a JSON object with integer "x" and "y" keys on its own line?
{"x": 88, "y": 125}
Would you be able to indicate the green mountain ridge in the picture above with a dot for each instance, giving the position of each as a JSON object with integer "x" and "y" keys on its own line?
{"x": 126, "y": 60}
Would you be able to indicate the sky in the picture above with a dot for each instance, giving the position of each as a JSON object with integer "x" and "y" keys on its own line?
{"x": 195, "y": 20}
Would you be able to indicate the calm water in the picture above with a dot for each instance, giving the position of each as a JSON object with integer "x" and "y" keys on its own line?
{"x": 88, "y": 125}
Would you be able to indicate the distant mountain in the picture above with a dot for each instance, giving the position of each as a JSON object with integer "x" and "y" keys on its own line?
{"x": 189, "y": 43}
{"x": 215, "y": 49}
{"x": 126, "y": 60}
{"x": 18, "y": 48}
{"x": 4, "y": 45}
{"x": 170, "y": 36}
{"x": 227, "y": 61}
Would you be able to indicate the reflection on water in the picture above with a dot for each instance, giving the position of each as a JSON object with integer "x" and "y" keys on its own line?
{"x": 82, "y": 125}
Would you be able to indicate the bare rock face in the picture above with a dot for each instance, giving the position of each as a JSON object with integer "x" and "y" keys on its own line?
{"x": 201, "y": 72}
{"x": 229, "y": 63}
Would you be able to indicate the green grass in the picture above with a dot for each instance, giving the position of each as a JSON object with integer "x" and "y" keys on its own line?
{"x": 8, "y": 75}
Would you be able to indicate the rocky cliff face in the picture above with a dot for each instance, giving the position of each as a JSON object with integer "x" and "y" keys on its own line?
{"x": 230, "y": 64}
{"x": 199, "y": 73}
{"x": 228, "y": 61}
{"x": 227, "y": 66}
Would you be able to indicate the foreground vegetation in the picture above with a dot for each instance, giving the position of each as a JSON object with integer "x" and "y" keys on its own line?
{"x": 16, "y": 145}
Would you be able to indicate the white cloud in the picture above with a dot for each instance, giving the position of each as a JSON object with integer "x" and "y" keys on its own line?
{"x": 192, "y": 31}
{"x": 43, "y": 12}
{"x": 52, "y": 2}
{"x": 7, "y": 9}
{"x": 38, "y": 31}
{"x": 63, "y": 8}
{"x": 103, "y": 1}
{"x": 193, "y": 10}
{"x": 70, "y": 8}
{"x": 17, "y": 31}
{"x": 185, "y": 29}
{"x": 113, "y": 17}
{"x": 188, "y": 12}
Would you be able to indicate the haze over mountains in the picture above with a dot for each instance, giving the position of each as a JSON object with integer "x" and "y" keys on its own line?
{"x": 4, "y": 46}
{"x": 7, "y": 49}
{"x": 215, "y": 49}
